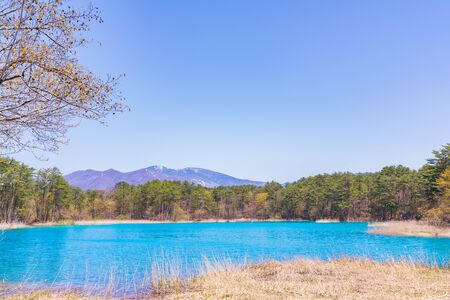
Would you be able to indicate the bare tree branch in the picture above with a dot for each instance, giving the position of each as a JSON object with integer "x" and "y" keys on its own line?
{"x": 43, "y": 89}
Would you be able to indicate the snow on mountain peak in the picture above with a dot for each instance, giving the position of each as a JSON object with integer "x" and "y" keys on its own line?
{"x": 98, "y": 180}
{"x": 157, "y": 168}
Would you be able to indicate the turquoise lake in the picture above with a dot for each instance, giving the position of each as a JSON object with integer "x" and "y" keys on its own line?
{"x": 94, "y": 255}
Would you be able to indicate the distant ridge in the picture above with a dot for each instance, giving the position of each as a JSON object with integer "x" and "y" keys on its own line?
{"x": 106, "y": 180}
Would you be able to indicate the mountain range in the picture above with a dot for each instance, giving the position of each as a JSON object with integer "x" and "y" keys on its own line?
{"x": 106, "y": 180}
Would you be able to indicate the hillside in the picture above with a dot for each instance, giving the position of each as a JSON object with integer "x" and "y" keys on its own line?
{"x": 105, "y": 180}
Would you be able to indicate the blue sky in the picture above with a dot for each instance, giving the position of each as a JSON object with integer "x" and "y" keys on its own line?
{"x": 267, "y": 90}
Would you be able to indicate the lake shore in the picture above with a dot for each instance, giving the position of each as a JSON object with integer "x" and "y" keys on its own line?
{"x": 314, "y": 279}
{"x": 111, "y": 222}
{"x": 7, "y": 226}
{"x": 409, "y": 228}
{"x": 328, "y": 221}
{"x": 297, "y": 279}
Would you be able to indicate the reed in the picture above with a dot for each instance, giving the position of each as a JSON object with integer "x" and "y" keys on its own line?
{"x": 218, "y": 278}
{"x": 409, "y": 228}
{"x": 345, "y": 278}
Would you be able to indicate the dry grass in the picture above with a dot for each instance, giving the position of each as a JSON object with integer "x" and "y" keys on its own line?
{"x": 328, "y": 221}
{"x": 409, "y": 228}
{"x": 298, "y": 279}
{"x": 22, "y": 291}
{"x": 310, "y": 279}
{"x": 7, "y": 226}
{"x": 50, "y": 295}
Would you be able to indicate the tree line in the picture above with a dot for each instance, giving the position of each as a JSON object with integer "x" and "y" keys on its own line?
{"x": 44, "y": 91}
{"x": 394, "y": 193}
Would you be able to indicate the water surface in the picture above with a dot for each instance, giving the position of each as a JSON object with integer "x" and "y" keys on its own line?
{"x": 125, "y": 254}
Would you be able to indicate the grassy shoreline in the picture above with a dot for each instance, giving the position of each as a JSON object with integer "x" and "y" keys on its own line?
{"x": 314, "y": 279}
{"x": 409, "y": 228}
{"x": 8, "y": 226}
{"x": 345, "y": 278}
{"x": 17, "y": 225}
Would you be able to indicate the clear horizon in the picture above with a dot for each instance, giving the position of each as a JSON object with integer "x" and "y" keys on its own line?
{"x": 267, "y": 90}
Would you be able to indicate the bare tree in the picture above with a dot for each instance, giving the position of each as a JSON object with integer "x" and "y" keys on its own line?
{"x": 43, "y": 88}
